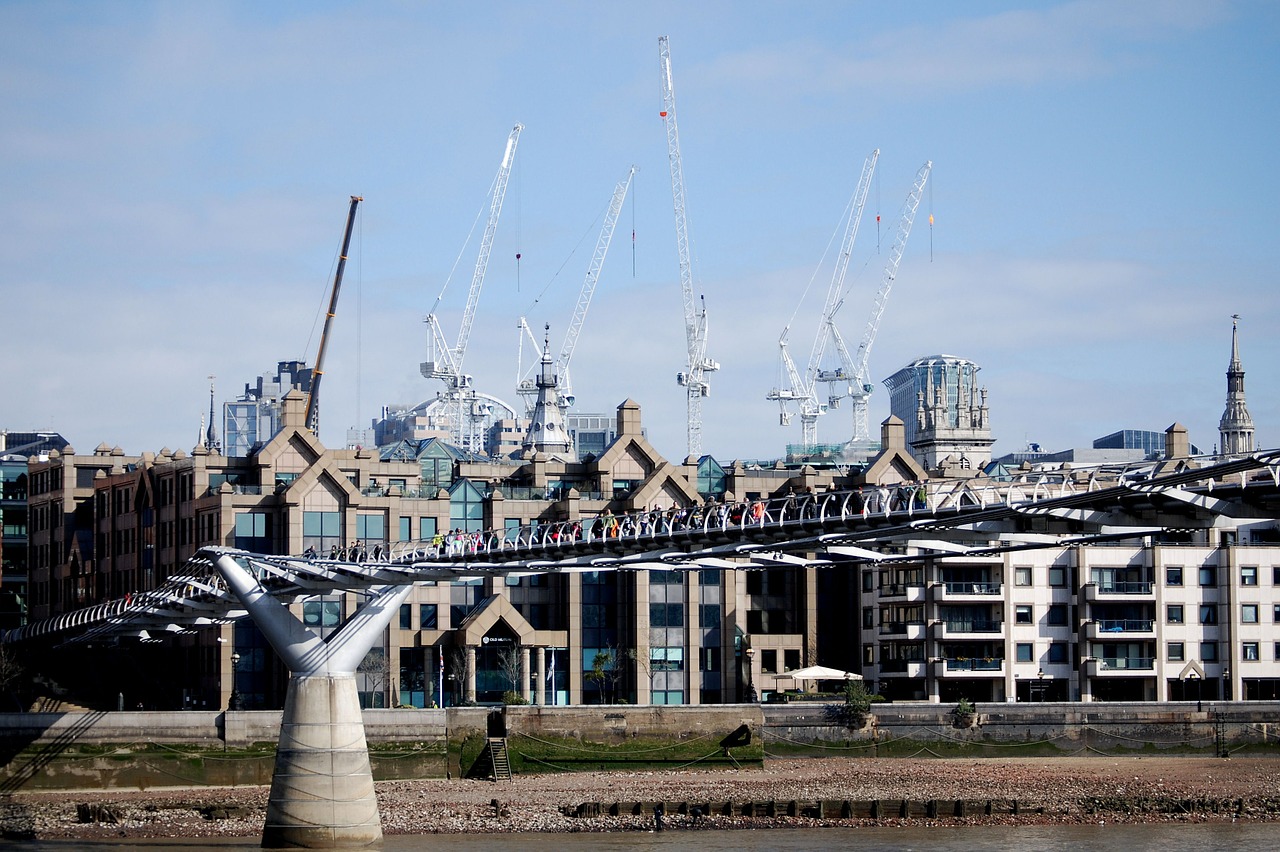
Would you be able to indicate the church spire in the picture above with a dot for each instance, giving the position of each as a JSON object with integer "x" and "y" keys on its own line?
{"x": 211, "y": 441}
{"x": 1235, "y": 430}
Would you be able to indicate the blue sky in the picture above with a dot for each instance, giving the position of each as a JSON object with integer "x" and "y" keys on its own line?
{"x": 176, "y": 178}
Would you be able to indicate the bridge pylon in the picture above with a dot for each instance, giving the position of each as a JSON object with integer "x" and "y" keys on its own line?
{"x": 322, "y": 794}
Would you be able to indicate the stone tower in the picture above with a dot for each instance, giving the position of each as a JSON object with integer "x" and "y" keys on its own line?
{"x": 1235, "y": 430}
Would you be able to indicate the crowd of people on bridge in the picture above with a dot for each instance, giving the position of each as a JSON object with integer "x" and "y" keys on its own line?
{"x": 712, "y": 515}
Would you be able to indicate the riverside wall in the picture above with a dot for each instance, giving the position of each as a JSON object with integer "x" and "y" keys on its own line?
{"x": 196, "y": 748}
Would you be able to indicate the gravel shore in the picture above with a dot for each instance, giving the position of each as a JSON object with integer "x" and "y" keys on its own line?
{"x": 1069, "y": 789}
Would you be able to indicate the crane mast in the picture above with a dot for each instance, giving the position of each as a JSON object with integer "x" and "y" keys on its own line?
{"x": 803, "y": 390}
{"x": 317, "y": 372}
{"x": 445, "y": 362}
{"x": 693, "y": 377}
{"x": 860, "y": 386}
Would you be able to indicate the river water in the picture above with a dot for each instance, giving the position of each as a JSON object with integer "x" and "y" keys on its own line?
{"x": 1162, "y": 837}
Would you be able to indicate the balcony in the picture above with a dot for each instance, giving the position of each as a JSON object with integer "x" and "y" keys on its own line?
{"x": 1117, "y": 628}
{"x": 975, "y": 629}
{"x": 965, "y": 591}
{"x": 903, "y": 629}
{"x": 1112, "y": 590}
{"x": 902, "y": 668}
{"x": 969, "y": 667}
{"x": 903, "y": 591}
{"x": 1121, "y": 666}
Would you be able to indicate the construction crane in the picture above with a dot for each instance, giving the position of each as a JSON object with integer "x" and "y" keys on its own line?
{"x": 317, "y": 371}
{"x": 859, "y": 386}
{"x": 693, "y": 377}
{"x": 461, "y": 405}
{"x": 527, "y": 387}
{"x": 802, "y": 389}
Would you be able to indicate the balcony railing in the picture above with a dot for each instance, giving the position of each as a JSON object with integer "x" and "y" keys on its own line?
{"x": 1127, "y": 663}
{"x": 973, "y": 588}
{"x": 898, "y": 666}
{"x": 974, "y": 626}
{"x": 897, "y": 590}
{"x": 1124, "y": 587}
{"x": 1125, "y": 625}
{"x": 898, "y": 628}
{"x": 974, "y": 664}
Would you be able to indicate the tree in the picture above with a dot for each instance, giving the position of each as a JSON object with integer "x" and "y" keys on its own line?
{"x": 606, "y": 672}
{"x": 376, "y": 673}
{"x": 509, "y": 664}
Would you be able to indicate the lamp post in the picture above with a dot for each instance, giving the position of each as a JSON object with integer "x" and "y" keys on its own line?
{"x": 1042, "y": 686}
{"x": 1195, "y": 678}
{"x": 233, "y": 703}
{"x": 1226, "y": 683}
{"x": 751, "y": 684}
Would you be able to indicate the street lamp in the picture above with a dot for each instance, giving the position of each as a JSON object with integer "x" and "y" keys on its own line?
{"x": 751, "y": 685}
{"x": 1226, "y": 683}
{"x": 1040, "y": 682}
{"x": 1195, "y": 678}
{"x": 233, "y": 703}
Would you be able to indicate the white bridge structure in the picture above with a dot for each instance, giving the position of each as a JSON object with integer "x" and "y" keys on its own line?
{"x": 322, "y": 792}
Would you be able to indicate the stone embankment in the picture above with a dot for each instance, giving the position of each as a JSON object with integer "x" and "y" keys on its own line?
{"x": 1060, "y": 790}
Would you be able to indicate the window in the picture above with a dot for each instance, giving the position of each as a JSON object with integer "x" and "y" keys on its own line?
{"x": 1208, "y": 575}
{"x": 791, "y": 659}
{"x": 1209, "y": 651}
{"x": 1249, "y": 575}
{"x": 1176, "y": 652}
{"x": 769, "y": 660}
{"x": 1022, "y": 614}
{"x": 1057, "y": 615}
{"x": 1173, "y": 614}
{"x": 1249, "y": 613}
{"x": 427, "y": 615}
{"x": 1173, "y": 576}
{"x": 869, "y": 617}
{"x": 1275, "y": 613}
{"x": 1249, "y": 652}
{"x": 709, "y": 616}
{"x": 406, "y": 616}
{"x": 426, "y": 529}
{"x": 1275, "y": 575}
{"x": 869, "y": 654}
{"x": 1057, "y": 576}
{"x": 868, "y": 581}
{"x": 1022, "y": 576}
{"x": 1208, "y": 613}
{"x": 1058, "y": 652}
{"x": 1025, "y": 652}
{"x": 406, "y": 529}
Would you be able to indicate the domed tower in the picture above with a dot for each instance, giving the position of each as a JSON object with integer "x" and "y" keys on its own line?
{"x": 1235, "y": 430}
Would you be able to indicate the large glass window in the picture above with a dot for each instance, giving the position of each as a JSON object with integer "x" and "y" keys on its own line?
{"x": 322, "y": 531}
{"x": 466, "y": 507}
{"x": 253, "y": 531}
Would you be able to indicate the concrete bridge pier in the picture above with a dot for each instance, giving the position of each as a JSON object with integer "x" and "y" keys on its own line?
{"x": 322, "y": 794}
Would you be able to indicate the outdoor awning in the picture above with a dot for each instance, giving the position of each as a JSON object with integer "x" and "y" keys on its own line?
{"x": 819, "y": 673}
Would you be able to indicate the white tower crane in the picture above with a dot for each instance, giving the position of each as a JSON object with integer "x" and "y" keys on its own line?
{"x": 693, "y": 377}
{"x": 860, "y": 382}
{"x": 527, "y": 387}
{"x": 803, "y": 389}
{"x": 460, "y": 403}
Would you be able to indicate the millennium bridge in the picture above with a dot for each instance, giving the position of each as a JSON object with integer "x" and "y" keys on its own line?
{"x": 322, "y": 793}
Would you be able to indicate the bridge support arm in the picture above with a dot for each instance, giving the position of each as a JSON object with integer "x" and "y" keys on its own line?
{"x": 322, "y": 794}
